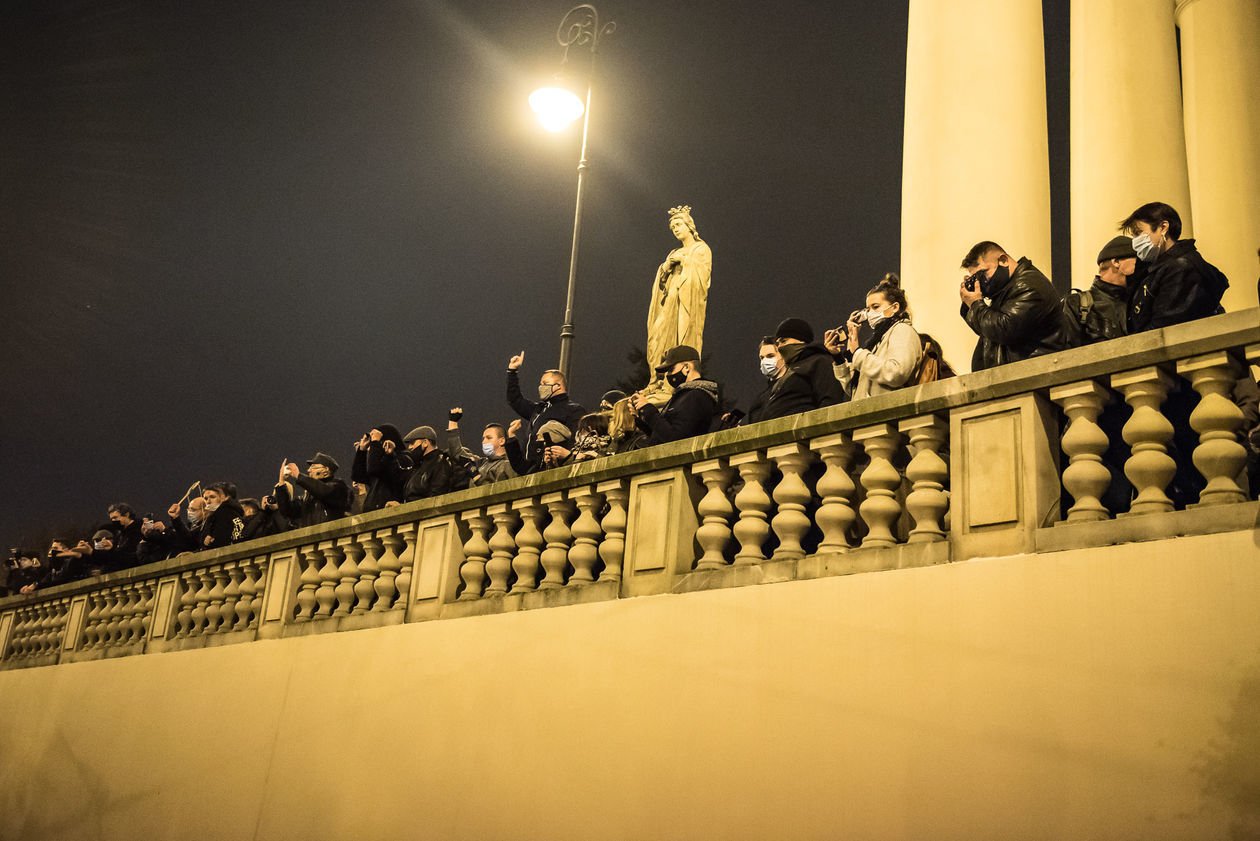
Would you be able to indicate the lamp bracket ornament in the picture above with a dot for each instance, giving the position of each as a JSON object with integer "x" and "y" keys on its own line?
{"x": 580, "y": 28}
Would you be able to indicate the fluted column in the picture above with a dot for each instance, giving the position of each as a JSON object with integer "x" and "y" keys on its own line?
{"x": 1086, "y": 478}
{"x": 975, "y": 164}
{"x": 1128, "y": 146}
{"x": 1220, "y": 88}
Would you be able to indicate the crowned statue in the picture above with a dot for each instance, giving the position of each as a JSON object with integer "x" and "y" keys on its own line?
{"x": 680, "y": 292}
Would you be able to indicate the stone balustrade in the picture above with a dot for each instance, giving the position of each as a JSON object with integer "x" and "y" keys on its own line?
{"x": 1012, "y": 460}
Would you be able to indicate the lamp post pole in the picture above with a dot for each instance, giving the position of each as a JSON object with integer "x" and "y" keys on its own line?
{"x": 579, "y": 27}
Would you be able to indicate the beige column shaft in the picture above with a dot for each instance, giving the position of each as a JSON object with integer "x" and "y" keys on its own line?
{"x": 1128, "y": 145}
{"x": 1220, "y": 77}
{"x": 975, "y": 163}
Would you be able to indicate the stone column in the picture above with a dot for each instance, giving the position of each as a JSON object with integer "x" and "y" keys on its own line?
{"x": 1128, "y": 145}
{"x": 975, "y": 162}
{"x": 1220, "y": 86}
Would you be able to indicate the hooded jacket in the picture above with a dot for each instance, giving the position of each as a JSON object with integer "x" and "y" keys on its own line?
{"x": 559, "y": 408}
{"x": 1022, "y": 319}
{"x": 385, "y": 474}
{"x": 689, "y": 412}
{"x": 1180, "y": 286}
{"x": 807, "y": 382}
{"x": 224, "y": 525}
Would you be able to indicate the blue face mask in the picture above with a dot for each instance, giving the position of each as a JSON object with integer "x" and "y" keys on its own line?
{"x": 769, "y": 366}
{"x": 487, "y": 448}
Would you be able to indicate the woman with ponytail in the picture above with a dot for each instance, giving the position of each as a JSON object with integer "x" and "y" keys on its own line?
{"x": 889, "y": 355}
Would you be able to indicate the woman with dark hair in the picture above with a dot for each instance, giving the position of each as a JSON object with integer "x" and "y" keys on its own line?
{"x": 890, "y": 354}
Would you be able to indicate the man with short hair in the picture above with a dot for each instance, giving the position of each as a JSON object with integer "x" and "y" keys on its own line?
{"x": 318, "y": 496}
{"x": 225, "y": 518}
{"x": 805, "y": 380}
{"x": 492, "y": 465}
{"x": 1179, "y": 285}
{"x": 691, "y": 407}
{"x": 1022, "y": 316}
{"x": 127, "y": 535}
{"x": 432, "y": 472}
{"x": 553, "y": 405}
{"x": 1100, "y": 312}
{"x": 186, "y": 537}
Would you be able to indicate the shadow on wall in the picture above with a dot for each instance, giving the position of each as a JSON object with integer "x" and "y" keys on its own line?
{"x": 1231, "y": 767}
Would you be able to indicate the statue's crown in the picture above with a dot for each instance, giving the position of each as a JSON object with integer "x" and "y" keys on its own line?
{"x": 682, "y": 208}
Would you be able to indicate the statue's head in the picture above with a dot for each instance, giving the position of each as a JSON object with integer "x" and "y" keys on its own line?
{"x": 683, "y": 213}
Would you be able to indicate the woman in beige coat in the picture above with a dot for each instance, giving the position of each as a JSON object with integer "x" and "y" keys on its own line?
{"x": 889, "y": 356}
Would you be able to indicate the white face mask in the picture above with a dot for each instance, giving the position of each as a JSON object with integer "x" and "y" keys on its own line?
{"x": 487, "y": 448}
{"x": 769, "y": 366}
{"x": 100, "y": 544}
{"x": 211, "y": 507}
{"x": 875, "y": 317}
{"x": 1146, "y": 250}
{"x": 545, "y": 391}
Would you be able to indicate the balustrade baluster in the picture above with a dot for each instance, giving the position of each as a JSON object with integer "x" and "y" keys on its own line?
{"x": 128, "y": 598}
{"x": 113, "y": 629}
{"x": 200, "y": 612}
{"x": 187, "y": 601}
{"x": 215, "y": 615}
{"x": 586, "y": 535}
{"x": 40, "y": 638}
{"x": 529, "y": 544}
{"x": 312, "y": 559}
{"x": 388, "y": 564}
{"x": 835, "y": 515}
{"x": 559, "y": 538}
{"x": 753, "y": 503}
{"x": 143, "y": 617}
{"x": 1147, "y": 432}
{"x": 50, "y": 629}
{"x": 245, "y": 609}
{"x": 326, "y": 593}
{"x": 927, "y": 471}
{"x": 231, "y": 596}
{"x": 1219, "y": 457}
{"x": 791, "y": 496}
{"x": 880, "y": 510}
{"x": 347, "y": 577}
{"x": 365, "y": 586}
{"x": 612, "y": 549}
{"x": 502, "y": 548}
{"x": 405, "y": 546}
{"x": 715, "y": 510}
{"x": 476, "y": 553}
{"x": 1085, "y": 478}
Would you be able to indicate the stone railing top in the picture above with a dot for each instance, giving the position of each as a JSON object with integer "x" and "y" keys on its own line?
{"x": 1156, "y": 347}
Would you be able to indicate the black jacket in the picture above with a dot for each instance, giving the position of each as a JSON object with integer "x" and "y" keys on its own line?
{"x": 430, "y": 476}
{"x": 808, "y": 382}
{"x": 318, "y": 501}
{"x": 157, "y": 546}
{"x": 185, "y": 538}
{"x": 1106, "y": 315}
{"x": 224, "y": 526}
{"x": 385, "y": 474}
{"x": 128, "y": 538}
{"x": 537, "y": 413}
{"x": 1180, "y": 286}
{"x": 1022, "y": 319}
{"x": 689, "y": 412}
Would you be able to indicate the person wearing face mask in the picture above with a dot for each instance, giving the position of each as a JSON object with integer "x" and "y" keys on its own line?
{"x": 100, "y": 555}
{"x": 381, "y": 462}
{"x": 432, "y": 472}
{"x": 186, "y": 536}
{"x": 553, "y": 405}
{"x": 1011, "y": 306}
{"x": 889, "y": 355}
{"x": 492, "y": 464}
{"x": 314, "y": 497}
{"x": 1101, "y": 312}
{"x": 691, "y": 406}
{"x": 798, "y": 373}
{"x": 1179, "y": 285}
{"x": 225, "y": 518}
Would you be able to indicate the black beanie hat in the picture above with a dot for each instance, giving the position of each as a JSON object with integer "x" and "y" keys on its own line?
{"x": 794, "y": 328}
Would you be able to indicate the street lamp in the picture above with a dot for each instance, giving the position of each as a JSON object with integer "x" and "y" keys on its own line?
{"x": 557, "y": 108}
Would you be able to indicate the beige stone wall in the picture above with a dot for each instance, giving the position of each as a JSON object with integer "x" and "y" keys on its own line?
{"x": 1104, "y": 693}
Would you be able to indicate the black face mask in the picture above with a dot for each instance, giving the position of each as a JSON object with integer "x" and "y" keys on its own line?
{"x": 676, "y": 379}
{"x": 1000, "y": 275}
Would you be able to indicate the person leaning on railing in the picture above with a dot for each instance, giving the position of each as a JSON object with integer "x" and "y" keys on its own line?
{"x": 1010, "y": 305}
{"x": 889, "y": 355}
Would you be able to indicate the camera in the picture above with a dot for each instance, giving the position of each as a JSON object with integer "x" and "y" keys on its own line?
{"x": 269, "y": 499}
{"x": 973, "y": 281}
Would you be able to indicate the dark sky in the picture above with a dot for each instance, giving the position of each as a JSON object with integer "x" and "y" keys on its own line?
{"x": 235, "y": 232}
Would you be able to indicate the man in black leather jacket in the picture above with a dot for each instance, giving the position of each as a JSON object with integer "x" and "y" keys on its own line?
{"x": 1023, "y": 314}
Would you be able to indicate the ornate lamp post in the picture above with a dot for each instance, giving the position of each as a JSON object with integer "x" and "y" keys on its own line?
{"x": 556, "y": 108}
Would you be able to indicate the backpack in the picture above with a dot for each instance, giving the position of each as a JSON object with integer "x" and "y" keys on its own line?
{"x": 1076, "y": 307}
{"x": 932, "y": 365}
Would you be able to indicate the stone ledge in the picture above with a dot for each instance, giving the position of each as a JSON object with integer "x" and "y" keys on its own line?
{"x": 1200, "y": 519}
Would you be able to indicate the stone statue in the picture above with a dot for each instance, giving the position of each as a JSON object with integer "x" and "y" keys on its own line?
{"x": 680, "y": 292}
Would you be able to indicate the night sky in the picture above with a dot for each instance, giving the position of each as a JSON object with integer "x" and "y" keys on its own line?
{"x": 237, "y": 232}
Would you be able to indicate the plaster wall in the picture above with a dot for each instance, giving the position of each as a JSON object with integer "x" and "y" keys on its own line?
{"x": 1105, "y": 693}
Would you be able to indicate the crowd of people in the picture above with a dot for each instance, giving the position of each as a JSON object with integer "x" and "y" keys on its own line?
{"x": 1148, "y": 278}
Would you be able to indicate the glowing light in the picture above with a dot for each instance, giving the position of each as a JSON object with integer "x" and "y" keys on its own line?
{"x": 556, "y": 107}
